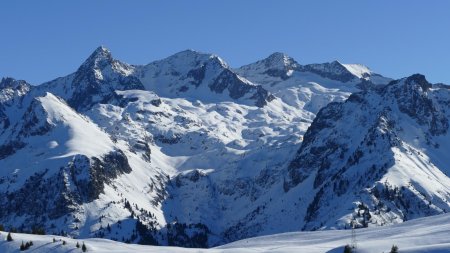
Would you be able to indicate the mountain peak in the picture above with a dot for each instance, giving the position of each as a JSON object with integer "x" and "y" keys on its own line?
{"x": 278, "y": 56}
{"x": 332, "y": 70}
{"x": 418, "y": 79}
{"x": 336, "y": 62}
{"x": 100, "y": 56}
{"x": 6, "y": 81}
{"x": 190, "y": 53}
{"x": 101, "y": 50}
{"x": 100, "y": 60}
{"x": 415, "y": 82}
{"x": 192, "y": 58}
{"x": 280, "y": 60}
{"x": 9, "y": 82}
{"x": 358, "y": 70}
{"x": 278, "y": 65}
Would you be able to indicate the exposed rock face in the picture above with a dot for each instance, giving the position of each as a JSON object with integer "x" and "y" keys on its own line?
{"x": 40, "y": 198}
{"x": 54, "y": 196}
{"x": 90, "y": 175}
{"x": 333, "y": 70}
{"x": 12, "y": 93}
{"x": 238, "y": 88}
{"x": 412, "y": 99}
{"x": 12, "y": 90}
{"x": 309, "y": 156}
{"x": 190, "y": 72}
{"x": 4, "y": 120}
{"x": 34, "y": 121}
{"x": 10, "y": 147}
{"x": 280, "y": 65}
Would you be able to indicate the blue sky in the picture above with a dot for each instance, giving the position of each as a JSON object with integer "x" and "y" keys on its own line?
{"x": 41, "y": 40}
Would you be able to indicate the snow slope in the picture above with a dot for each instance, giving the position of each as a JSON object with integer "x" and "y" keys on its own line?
{"x": 421, "y": 235}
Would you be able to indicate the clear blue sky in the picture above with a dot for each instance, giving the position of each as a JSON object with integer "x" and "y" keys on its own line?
{"x": 41, "y": 40}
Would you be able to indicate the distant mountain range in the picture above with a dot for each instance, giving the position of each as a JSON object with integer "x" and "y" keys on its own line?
{"x": 188, "y": 151}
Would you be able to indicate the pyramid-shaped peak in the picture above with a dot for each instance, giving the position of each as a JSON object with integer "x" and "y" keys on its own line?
{"x": 278, "y": 65}
{"x": 336, "y": 62}
{"x": 278, "y": 55}
{"x": 100, "y": 55}
{"x": 279, "y": 59}
{"x": 101, "y": 51}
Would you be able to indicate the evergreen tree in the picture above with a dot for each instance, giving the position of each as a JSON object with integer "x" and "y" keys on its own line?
{"x": 2, "y": 228}
{"x": 347, "y": 249}
{"x": 26, "y": 246}
{"x": 78, "y": 245}
{"x": 38, "y": 231}
{"x": 64, "y": 242}
{"x": 394, "y": 249}
{"x": 83, "y": 248}
{"x": 9, "y": 237}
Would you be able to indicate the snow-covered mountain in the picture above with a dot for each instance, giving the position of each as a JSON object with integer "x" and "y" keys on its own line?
{"x": 199, "y": 76}
{"x": 188, "y": 151}
{"x": 385, "y": 148}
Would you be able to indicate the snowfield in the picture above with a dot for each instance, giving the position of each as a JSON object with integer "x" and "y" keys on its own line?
{"x": 430, "y": 235}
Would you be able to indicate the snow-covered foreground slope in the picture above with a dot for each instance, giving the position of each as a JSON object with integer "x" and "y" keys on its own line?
{"x": 187, "y": 151}
{"x": 429, "y": 235}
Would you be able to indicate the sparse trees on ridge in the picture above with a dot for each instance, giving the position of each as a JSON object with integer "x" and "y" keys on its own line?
{"x": 394, "y": 249}
{"x": 25, "y": 246}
